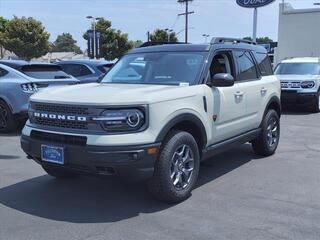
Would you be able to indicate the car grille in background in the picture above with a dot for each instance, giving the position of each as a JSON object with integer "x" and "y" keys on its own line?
{"x": 58, "y": 138}
{"x": 290, "y": 84}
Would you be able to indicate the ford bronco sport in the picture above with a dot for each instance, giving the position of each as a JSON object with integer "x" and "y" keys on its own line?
{"x": 157, "y": 113}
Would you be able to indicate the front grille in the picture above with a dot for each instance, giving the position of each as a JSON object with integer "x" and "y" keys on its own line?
{"x": 61, "y": 123}
{"x": 58, "y": 138}
{"x": 55, "y": 108}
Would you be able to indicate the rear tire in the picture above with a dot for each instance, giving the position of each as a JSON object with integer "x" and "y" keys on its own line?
{"x": 267, "y": 143}
{"x": 58, "y": 172}
{"x": 177, "y": 168}
{"x": 7, "y": 121}
{"x": 316, "y": 105}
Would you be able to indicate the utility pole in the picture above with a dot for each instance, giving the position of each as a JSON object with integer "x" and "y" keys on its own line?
{"x": 186, "y": 14}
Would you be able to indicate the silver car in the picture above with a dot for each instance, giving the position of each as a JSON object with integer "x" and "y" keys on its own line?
{"x": 18, "y": 81}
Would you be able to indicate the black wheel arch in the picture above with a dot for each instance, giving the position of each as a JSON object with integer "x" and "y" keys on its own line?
{"x": 275, "y": 104}
{"x": 186, "y": 122}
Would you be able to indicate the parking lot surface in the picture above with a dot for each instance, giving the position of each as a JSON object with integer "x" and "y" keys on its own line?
{"x": 239, "y": 196}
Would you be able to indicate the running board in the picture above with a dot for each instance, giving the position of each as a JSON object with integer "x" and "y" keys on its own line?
{"x": 220, "y": 147}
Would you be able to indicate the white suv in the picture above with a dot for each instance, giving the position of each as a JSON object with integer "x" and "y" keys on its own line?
{"x": 157, "y": 113}
{"x": 300, "y": 82}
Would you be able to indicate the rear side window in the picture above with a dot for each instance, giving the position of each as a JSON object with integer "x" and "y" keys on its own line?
{"x": 246, "y": 66}
{"x": 44, "y": 72}
{"x": 3, "y": 72}
{"x": 105, "y": 68}
{"x": 264, "y": 64}
{"x": 76, "y": 70}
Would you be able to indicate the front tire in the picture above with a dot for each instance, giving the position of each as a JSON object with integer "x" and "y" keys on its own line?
{"x": 58, "y": 172}
{"x": 177, "y": 168}
{"x": 316, "y": 105}
{"x": 267, "y": 143}
{"x": 7, "y": 121}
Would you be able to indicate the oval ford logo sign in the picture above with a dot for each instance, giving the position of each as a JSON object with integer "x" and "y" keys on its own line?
{"x": 253, "y": 3}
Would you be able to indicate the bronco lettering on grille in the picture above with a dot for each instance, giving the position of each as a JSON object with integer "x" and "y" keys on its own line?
{"x": 59, "y": 117}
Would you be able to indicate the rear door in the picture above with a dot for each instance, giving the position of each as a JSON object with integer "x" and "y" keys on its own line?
{"x": 254, "y": 91}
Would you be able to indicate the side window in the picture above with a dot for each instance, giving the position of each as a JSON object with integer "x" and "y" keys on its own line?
{"x": 3, "y": 72}
{"x": 222, "y": 63}
{"x": 264, "y": 64}
{"x": 246, "y": 66}
{"x": 76, "y": 70}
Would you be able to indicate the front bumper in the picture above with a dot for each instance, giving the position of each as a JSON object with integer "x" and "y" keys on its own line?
{"x": 298, "y": 98}
{"x": 131, "y": 162}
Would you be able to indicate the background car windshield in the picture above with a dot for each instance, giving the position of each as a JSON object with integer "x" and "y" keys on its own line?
{"x": 157, "y": 68}
{"x": 298, "y": 69}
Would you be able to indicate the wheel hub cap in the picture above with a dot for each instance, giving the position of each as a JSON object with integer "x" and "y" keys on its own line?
{"x": 272, "y": 132}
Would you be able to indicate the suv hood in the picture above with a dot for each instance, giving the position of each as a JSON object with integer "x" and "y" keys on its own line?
{"x": 111, "y": 94}
{"x": 298, "y": 77}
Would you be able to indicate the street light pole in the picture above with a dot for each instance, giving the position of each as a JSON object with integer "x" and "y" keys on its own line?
{"x": 205, "y": 37}
{"x": 255, "y": 24}
{"x": 94, "y": 34}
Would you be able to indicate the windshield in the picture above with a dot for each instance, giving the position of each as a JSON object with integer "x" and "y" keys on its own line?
{"x": 169, "y": 68}
{"x": 298, "y": 69}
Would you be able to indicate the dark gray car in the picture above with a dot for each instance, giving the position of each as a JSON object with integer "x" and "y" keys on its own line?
{"x": 19, "y": 82}
{"x": 86, "y": 70}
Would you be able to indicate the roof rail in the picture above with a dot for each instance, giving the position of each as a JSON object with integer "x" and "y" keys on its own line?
{"x": 148, "y": 44}
{"x": 219, "y": 40}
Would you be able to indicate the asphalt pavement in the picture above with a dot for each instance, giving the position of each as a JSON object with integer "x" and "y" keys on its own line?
{"x": 239, "y": 196}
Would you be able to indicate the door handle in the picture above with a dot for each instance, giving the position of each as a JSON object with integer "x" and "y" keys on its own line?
{"x": 264, "y": 90}
{"x": 239, "y": 94}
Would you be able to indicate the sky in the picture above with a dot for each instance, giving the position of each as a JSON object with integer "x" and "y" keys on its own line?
{"x": 136, "y": 17}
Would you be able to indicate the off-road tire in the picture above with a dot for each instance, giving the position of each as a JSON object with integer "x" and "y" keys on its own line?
{"x": 260, "y": 145}
{"x": 316, "y": 105}
{"x": 161, "y": 185}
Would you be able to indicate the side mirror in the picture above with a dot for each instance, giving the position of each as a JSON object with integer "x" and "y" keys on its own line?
{"x": 221, "y": 80}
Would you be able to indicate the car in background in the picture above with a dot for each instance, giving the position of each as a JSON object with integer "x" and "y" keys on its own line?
{"x": 86, "y": 71}
{"x": 300, "y": 82}
{"x": 18, "y": 81}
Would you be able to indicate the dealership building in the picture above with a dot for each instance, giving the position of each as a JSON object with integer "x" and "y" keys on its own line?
{"x": 299, "y": 33}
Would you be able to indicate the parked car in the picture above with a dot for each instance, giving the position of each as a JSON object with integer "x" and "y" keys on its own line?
{"x": 157, "y": 113}
{"x": 86, "y": 70}
{"x": 19, "y": 82}
{"x": 300, "y": 82}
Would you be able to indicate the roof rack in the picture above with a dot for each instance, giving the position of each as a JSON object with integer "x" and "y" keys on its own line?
{"x": 148, "y": 44}
{"x": 219, "y": 40}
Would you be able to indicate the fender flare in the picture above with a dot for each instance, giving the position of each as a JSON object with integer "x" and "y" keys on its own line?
{"x": 273, "y": 100}
{"x": 189, "y": 117}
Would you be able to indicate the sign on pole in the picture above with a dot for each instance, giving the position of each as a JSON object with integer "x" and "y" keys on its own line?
{"x": 90, "y": 44}
{"x": 94, "y": 43}
{"x": 254, "y": 3}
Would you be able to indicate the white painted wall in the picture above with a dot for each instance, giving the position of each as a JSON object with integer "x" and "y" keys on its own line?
{"x": 299, "y": 33}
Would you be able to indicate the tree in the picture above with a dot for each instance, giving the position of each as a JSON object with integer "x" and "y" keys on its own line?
{"x": 114, "y": 43}
{"x": 26, "y": 37}
{"x": 65, "y": 43}
{"x": 136, "y": 43}
{"x": 3, "y": 25}
{"x": 261, "y": 40}
{"x": 160, "y": 35}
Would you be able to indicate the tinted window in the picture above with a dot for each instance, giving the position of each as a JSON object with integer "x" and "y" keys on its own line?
{"x": 76, "y": 70}
{"x": 105, "y": 68}
{"x": 3, "y": 72}
{"x": 264, "y": 64}
{"x": 246, "y": 65}
{"x": 44, "y": 71}
{"x": 157, "y": 68}
{"x": 298, "y": 69}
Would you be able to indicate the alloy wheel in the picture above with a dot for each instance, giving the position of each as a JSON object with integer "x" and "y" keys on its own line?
{"x": 182, "y": 166}
{"x": 272, "y": 132}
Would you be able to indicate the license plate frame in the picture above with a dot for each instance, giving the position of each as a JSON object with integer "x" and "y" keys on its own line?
{"x": 52, "y": 154}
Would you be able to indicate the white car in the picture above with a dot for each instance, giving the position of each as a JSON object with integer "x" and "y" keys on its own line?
{"x": 300, "y": 82}
{"x": 157, "y": 113}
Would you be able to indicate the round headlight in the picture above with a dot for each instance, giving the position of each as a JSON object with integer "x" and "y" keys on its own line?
{"x": 308, "y": 84}
{"x": 122, "y": 120}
